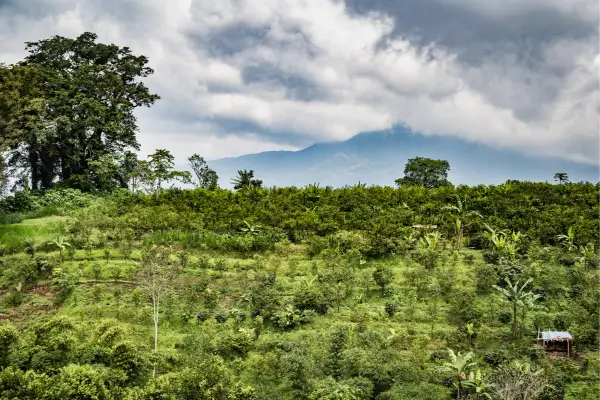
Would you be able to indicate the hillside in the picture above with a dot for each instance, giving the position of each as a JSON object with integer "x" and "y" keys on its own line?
{"x": 378, "y": 158}
{"x": 298, "y": 294}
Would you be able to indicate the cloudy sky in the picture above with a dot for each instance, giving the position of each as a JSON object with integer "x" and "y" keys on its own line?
{"x": 239, "y": 76}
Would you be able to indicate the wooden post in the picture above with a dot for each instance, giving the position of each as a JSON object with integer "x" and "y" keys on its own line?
{"x": 568, "y": 352}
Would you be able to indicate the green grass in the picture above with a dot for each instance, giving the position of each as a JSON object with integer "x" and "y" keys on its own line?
{"x": 14, "y": 236}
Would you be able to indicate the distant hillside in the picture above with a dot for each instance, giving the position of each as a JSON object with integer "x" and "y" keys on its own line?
{"x": 378, "y": 158}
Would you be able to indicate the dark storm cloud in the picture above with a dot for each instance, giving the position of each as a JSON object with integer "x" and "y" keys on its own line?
{"x": 476, "y": 36}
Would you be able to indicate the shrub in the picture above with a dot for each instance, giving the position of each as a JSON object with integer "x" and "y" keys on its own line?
{"x": 391, "y": 309}
{"x": 203, "y": 316}
{"x": 505, "y": 317}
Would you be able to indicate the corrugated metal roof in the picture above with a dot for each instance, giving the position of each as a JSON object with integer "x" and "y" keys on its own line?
{"x": 556, "y": 336}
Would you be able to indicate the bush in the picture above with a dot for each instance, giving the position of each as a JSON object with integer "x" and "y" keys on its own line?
{"x": 505, "y": 317}
{"x": 391, "y": 309}
{"x": 7, "y": 219}
{"x": 203, "y": 316}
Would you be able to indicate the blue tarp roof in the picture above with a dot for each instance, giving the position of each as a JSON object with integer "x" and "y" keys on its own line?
{"x": 556, "y": 336}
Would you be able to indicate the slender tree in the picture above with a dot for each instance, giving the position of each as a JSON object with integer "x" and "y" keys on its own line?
{"x": 157, "y": 277}
{"x": 205, "y": 177}
{"x": 161, "y": 164}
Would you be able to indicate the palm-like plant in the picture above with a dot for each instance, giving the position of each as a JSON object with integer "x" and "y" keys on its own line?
{"x": 61, "y": 244}
{"x": 507, "y": 245}
{"x": 459, "y": 366}
{"x": 529, "y": 304}
{"x": 463, "y": 217}
{"x": 475, "y": 380}
{"x": 588, "y": 254}
{"x": 251, "y": 229}
{"x": 568, "y": 239}
{"x": 470, "y": 332}
{"x": 515, "y": 295}
{"x": 430, "y": 241}
{"x": 561, "y": 177}
{"x": 245, "y": 180}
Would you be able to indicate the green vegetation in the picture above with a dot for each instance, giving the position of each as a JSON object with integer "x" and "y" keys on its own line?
{"x": 313, "y": 293}
{"x": 114, "y": 285}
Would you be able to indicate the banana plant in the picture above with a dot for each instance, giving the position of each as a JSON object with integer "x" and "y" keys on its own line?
{"x": 61, "y": 244}
{"x": 308, "y": 282}
{"x": 410, "y": 239}
{"x": 529, "y": 304}
{"x": 470, "y": 333}
{"x": 476, "y": 381}
{"x": 588, "y": 254}
{"x": 463, "y": 217}
{"x": 458, "y": 366}
{"x": 251, "y": 229}
{"x": 516, "y": 295}
{"x": 430, "y": 241}
{"x": 568, "y": 240}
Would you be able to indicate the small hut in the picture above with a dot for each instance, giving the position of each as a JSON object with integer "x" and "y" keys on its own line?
{"x": 426, "y": 227}
{"x": 555, "y": 341}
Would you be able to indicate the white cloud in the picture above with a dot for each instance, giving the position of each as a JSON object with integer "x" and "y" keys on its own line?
{"x": 364, "y": 77}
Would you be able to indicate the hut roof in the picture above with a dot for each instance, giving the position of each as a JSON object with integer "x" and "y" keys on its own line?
{"x": 551, "y": 336}
{"x": 420, "y": 226}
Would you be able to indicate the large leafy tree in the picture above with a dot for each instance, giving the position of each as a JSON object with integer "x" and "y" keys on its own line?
{"x": 425, "y": 172}
{"x": 69, "y": 103}
{"x": 205, "y": 177}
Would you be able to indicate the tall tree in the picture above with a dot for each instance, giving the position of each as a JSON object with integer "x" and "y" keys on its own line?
{"x": 245, "y": 180}
{"x": 425, "y": 172}
{"x": 561, "y": 177}
{"x": 205, "y": 177}
{"x": 78, "y": 107}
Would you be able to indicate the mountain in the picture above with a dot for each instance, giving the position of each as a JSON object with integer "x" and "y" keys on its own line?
{"x": 378, "y": 158}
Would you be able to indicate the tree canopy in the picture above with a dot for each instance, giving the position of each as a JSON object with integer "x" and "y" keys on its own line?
{"x": 425, "y": 172}
{"x": 68, "y": 104}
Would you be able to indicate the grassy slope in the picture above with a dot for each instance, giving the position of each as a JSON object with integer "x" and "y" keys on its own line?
{"x": 94, "y": 297}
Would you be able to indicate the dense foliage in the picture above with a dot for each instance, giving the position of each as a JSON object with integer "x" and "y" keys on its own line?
{"x": 313, "y": 293}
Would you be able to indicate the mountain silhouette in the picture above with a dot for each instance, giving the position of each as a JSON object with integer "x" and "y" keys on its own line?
{"x": 378, "y": 158}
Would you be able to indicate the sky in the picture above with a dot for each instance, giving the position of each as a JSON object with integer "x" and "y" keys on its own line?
{"x": 238, "y": 77}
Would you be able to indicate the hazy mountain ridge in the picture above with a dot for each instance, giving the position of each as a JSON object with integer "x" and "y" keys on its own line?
{"x": 378, "y": 158}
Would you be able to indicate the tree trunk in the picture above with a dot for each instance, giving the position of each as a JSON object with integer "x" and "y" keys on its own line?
{"x": 155, "y": 309}
{"x": 515, "y": 333}
{"x": 459, "y": 392}
{"x": 460, "y": 237}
